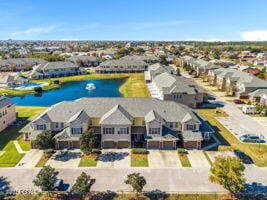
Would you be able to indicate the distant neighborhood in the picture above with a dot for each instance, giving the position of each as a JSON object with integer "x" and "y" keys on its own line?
{"x": 114, "y": 106}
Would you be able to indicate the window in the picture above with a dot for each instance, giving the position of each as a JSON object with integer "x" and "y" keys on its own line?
{"x": 90, "y": 122}
{"x": 41, "y": 127}
{"x": 62, "y": 125}
{"x": 76, "y": 130}
{"x": 190, "y": 127}
{"x": 175, "y": 124}
{"x": 108, "y": 130}
{"x": 154, "y": 131}
{"x": 123, "y": 131}
{"x": 56, "y": 125}
{"x": 171, "y": 125}
{"x": 177, "y": 96}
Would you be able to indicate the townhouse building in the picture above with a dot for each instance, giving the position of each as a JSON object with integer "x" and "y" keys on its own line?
{"x": 122, "y": 123}
{"x": 164, "y": 84}
{"x": 55, "y": 69}
{"x": 7, "y": 113}
{"x": 19, "y": 64}
{"x": 122, "y": 65}
{"x": 85, "y": 61}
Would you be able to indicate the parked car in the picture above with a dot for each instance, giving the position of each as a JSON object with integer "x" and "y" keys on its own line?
{"x": 238, "y": 101}
{"x": 250, "y": 138}
{"x": 57, "y": 184}
{"x": 243, "y": 157}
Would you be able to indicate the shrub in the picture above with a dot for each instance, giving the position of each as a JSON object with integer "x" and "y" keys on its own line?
{"x": 48, "y": 153}
{"x": 56, "y": 82}
{"x": 139, "y": 151}
{"x": 182, "y": 151}
{"x": 96, "y": 151}
{"x": 38, "y": 89}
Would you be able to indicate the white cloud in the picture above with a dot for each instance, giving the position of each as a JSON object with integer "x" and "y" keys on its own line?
{"x": 33, "y": 31}
{"x": 257, "y": 35}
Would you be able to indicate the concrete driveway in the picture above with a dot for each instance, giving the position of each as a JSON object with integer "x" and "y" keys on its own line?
{"x": 30, "y": 159}
{"x": 163, "y": 159}
{"x": 65, "y": 159}
{"x": 198, "y": 159}
{"x": 115, "y": 158}
{"x": 213, "y": 154}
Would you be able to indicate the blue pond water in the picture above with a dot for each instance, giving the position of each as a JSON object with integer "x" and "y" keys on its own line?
{"x": 71, "y": 91}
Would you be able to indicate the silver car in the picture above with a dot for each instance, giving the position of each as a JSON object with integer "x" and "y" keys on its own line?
{"x": 251, "y": 138}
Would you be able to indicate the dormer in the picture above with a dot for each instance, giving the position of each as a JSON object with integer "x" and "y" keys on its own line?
{"x": 78, "y": 123}
{"x": 117, "y": 116}
{"x": 154, "y": 123}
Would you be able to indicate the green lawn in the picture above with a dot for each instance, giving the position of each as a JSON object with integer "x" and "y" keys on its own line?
{"x": 184, "y": 160}
{"x": 25, "y": 145}
{"x": 89, "y": 161}
{"x": 139, "y": 160}
{"x": 257, "y": 152}
{"x": 11, "y": 157}
{"x": 134, "y": 86}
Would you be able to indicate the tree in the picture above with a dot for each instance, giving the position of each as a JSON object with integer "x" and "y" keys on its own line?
{"x": 87, "y": 142}
{"x": 228, "y": 172}
{"x": 44, "y": 140}
{"x": 45, "y": 178}
{"x": 82, "y": 184}
{"x": 136, "y": 181}
{"x": 38, "y": 89}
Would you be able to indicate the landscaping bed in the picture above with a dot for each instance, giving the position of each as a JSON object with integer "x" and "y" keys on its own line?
{"x": 89, "y": 160}
{"x": 139, "y": 157}
{"x": 182, "y": 153}
{"x": 42, "y": 161}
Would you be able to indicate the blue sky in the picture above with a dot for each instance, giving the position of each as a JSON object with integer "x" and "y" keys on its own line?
{"x": 133, "y": 19}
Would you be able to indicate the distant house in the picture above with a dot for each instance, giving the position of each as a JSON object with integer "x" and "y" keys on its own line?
{"x": 55, "y": 69}
{"x": 10, "y": 81}
{"x": 19, "y": 64}
{"x": 235, "y": 82}
{"x": 122, "y": 65}
{"x": 7, "y": 113}
{"x": 85, "y": 61}
{"x": 252, "y": 71}
{"x": 147, "y": 59}
{"x": 122, "y": 123}
{"x": 259, "y": 96}
{"x": 166, "y": 85}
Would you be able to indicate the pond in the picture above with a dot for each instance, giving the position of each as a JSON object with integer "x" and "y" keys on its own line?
{"x": 71, "y": 91}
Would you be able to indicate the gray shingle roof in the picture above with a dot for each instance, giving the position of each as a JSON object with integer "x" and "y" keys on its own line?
{"x": 4, "y": 101}
{"x": 153, "y": 115}
{"x": 136, "y": 107}
{"x": 192, "y": 136}
{"x": 117, "y": 115}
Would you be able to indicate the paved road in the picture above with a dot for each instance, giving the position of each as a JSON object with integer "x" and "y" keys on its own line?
{"x": 237, "y": 122}
{"x": 169, "y": 180}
